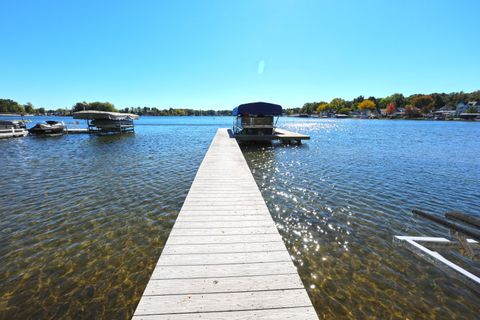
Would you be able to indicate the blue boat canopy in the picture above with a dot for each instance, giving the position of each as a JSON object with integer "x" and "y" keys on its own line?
{"x": 258, "y": 109}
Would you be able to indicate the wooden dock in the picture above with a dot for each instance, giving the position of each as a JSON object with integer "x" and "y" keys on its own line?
{"x": 224, "y": 258}
{"x": 279, "y": 134}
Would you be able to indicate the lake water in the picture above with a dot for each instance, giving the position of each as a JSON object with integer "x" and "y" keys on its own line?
{"x": 83, "y": 219}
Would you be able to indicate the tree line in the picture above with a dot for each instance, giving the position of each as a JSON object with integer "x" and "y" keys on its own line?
{"x": 13, "y": 107}
{"x": 146, "y": 111}
{"x": 10, "y": 106}
{"x": 413, "y": 105}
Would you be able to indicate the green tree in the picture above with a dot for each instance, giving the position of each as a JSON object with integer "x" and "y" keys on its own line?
{"x": 309, "y": 107}
{"x": 96, "y": 106}
{"x": 474, "y": 96}
{"x": 102, "y": 106}
{"x": 80, "y": 106}
{"x": 454, "y": 98}
{"x": 438, "y": 100}
{"x": 372, "y": 98}
{"x": 397, "y": 98}
{"x": 358, "y": 99}
{"x": 344, "y": 110}
{"x": 471, "y": 109}
{"x": 337, "y": 104}
{"x": 29, "y": 108}
{"x": 10, "y": 106}
{"x": 322, "y": 107}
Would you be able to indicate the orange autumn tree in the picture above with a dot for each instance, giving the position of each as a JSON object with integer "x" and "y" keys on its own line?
{"x": 366, "y": 105}
{"x": 412, "y": 112}
{"x": 423, "y": 103}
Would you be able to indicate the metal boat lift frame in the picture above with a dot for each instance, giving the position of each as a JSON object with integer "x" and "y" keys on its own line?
{"x": 412, "y": 244}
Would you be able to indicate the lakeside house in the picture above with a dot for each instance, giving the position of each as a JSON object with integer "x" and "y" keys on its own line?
{"x": 462, "y": 107}
{"x": 399, "y": 113}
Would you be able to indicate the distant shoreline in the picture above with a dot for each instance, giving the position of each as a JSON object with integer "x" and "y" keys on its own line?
{"x": 16, "y": 115}
{"x": 285, "y": 116}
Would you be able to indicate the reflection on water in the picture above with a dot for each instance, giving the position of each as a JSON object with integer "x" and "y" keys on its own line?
{"x": 83, "y": 219}
{"x": 339, "y": 199}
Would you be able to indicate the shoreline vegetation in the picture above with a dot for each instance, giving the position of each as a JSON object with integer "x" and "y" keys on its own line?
{"x": 440, "y": 106}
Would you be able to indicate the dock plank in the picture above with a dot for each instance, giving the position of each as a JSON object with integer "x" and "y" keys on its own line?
{"x": 231, "y": 239}
{"x": 218, "y": 285}
{"x": 223, "y": 248}
{"x": 224, "y": 258}
{"x": 222, "y": 231}
{"x": 222, "y": 224}
{"x": 302, "y": 313}
{"x": 215, "y": 271}
{"x": 217, "y": 218}
{"x": 236, "y": 301}
{"x": 222, "y": 212}
{"x": 201, "y": 207}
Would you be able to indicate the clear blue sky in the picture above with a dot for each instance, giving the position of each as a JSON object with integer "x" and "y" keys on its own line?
{"x": 218, "y": 54}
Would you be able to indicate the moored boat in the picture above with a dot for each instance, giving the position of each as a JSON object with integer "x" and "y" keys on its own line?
{"x": 256, "y": 118}
{"x": 49, "y": 128}
{"x": 107, "y": 122}
{"x": 256, "y": 122}
{"x": 12, "y": 128}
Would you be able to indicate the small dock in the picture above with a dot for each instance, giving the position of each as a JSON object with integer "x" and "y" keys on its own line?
{"x": 224, "y": 258}
{"x": 76, "y": 131}
{"x": 278, "y": 134}
{"x": 14, "y": 133}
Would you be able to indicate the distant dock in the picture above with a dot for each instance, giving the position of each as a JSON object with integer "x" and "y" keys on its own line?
{"x": 224, "y": 258}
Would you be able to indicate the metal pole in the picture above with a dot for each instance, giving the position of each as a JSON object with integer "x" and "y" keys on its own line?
{"x": 448, "y": 224}
{"x": 455, "y": 215}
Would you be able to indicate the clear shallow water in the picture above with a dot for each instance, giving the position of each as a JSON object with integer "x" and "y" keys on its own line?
{"x": 83, "y": 219}
{"x": 340, "y": 198}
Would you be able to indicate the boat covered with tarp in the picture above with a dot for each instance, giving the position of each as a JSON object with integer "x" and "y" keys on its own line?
{"x": 107, "y": 122}
{"x": 256, "y": 118}
{"x": 48, "y": 128}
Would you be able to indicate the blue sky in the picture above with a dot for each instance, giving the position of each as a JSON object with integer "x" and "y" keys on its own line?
{"x": 218, "y": 54}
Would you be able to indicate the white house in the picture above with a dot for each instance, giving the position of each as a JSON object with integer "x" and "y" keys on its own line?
{"x": 462, "y": 106}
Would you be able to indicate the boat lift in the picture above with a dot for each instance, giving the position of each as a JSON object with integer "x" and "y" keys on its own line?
{"x": 257, "y": 122}
{"x": 417, "y": 245}
{"x": 102, "y": 122}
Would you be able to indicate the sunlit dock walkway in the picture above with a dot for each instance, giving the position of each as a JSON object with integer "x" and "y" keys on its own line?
{"x": 224, "y": 258}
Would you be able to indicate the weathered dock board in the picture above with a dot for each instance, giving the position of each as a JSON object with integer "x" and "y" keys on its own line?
{"x": 279, "y": 134}
{"x": 224, "y": 258}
